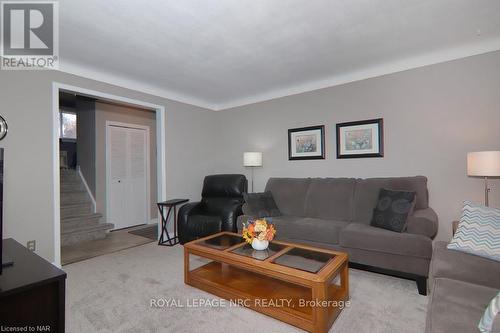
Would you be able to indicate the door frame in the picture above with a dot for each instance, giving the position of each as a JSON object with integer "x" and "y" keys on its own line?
{"x": 110, "y": 123}
{"x": 161, "y": 171}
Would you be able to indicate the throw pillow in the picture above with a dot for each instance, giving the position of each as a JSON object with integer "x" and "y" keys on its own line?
{"x": 478, "y": 231}
{"x": 486, "y": 322}
{"x": 261, "y": 204}
{"x": 393, "y": 209}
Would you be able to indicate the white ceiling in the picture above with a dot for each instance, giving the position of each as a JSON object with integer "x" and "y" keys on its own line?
{"x": 223, "y": 53}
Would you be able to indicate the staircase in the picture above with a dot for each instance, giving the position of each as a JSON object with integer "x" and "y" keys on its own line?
{"x": 78, "y": 221}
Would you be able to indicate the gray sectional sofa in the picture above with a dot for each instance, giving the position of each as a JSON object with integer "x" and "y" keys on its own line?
{"x": 462, "y": 286}
{"x": 336, "y": 213}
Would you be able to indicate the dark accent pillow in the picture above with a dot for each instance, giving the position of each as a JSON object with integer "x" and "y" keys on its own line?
{"x": 393, "y": 209}
{"x": 261, "y": 204}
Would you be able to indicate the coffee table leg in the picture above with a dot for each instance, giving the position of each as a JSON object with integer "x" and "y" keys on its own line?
{"x": 186, "y": 265}
{"x": 344, "y": 276}
{"x": 323, "y": 317}
{"x": 320, "y": 313}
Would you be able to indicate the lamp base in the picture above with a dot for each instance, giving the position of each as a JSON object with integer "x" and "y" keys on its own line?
{"x": 486, "y": 192}
{"x": 252, "y": 177}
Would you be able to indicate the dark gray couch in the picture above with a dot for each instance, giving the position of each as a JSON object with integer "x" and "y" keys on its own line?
{"x": 462, "y": 286}
{"x": 336, "y": 213}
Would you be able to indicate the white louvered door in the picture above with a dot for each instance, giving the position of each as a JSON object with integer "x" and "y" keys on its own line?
{"x": 127, "y": 176}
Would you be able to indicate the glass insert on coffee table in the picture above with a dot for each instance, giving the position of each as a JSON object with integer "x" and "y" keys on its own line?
{"x": 304, "y": 259}
{"x": 221, "y": 242}
{"x": 302, "y": 285}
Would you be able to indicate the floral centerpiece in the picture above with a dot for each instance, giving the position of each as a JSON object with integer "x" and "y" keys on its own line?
{"x": 258, "y": 233}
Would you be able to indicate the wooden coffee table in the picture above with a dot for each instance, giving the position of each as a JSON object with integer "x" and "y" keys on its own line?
{"x": 302, "y": 285}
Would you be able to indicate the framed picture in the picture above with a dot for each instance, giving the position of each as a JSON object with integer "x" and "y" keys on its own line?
{"x": 360, "y": 139}
{"x": 306, "y": 143}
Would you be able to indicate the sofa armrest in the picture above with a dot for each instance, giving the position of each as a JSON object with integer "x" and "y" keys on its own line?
{"x": 423, "y": 222}
{"x": 229, "y": 216}
{"x": 456, "y": 265}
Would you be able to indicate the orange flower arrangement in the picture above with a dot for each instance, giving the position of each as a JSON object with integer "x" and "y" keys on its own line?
{"x": 258, "y": 229}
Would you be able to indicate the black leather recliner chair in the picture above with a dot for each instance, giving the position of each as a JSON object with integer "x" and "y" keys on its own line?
{"x": 220, "y": 206}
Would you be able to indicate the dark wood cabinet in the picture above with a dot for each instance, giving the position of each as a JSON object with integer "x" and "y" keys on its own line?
{"x": 32, "y": 292}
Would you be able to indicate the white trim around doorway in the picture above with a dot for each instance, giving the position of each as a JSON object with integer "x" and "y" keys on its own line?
{"x": 160, "y": 147}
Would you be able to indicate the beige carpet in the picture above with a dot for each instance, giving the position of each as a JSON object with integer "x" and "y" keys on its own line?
{"x": 112, "y": 293}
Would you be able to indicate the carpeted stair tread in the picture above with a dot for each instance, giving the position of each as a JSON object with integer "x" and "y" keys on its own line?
{"x": 68, "y": 210}
{"x": 88, "y": 228}
{"x": 81, "y": 217}
{"x": 85, "y": 233}
{"x": 73, "y": 190}
{"x": 78, "y": 222}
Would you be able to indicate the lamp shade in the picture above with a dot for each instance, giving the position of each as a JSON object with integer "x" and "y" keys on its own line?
{"x": 483, "y": 163}
{"x": 252, "y": 159}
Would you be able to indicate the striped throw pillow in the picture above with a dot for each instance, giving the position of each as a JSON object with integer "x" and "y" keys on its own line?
{"x": 478, "y": 231}
{"x": 486, "y": 322}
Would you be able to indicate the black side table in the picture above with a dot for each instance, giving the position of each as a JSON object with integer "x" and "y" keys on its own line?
{"x": 170, "y": 241}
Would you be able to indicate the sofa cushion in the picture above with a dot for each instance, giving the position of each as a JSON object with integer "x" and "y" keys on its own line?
{"x": 308, "y": 229}
{"x": 392, "y": 210}
{"x": 367, "y": 190}
{"x": 282, "y": 223}
{"x": 457, "y": 306}
{"x": 478, "y": 231}
{"x": 260, "y": 205}
{"x": 389, "y": 261}
{"x": 289, "y": 194}
{"x": 330, "y": 198}
{"x": 462, "y": 266}
{"x": 361, "y": 236}
{"x": 318, "y": 230}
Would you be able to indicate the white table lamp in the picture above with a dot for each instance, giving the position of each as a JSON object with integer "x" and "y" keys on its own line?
{"x": 252, "y": 160}
{"x": 484, "y": 164}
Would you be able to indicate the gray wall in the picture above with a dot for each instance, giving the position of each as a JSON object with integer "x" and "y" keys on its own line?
{"x": 118, "y": 113}
{"x": 432, "y": 116}
{"x": 86, "y": 139}
{"x": 26, "y": 104}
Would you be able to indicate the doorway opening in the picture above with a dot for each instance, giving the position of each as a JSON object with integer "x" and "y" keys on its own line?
{"x": 109, "y": 172}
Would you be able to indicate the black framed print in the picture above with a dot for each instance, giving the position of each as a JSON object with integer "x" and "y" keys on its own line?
{"x": 306, "y": 143}
{"x": 360, "y": 139}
